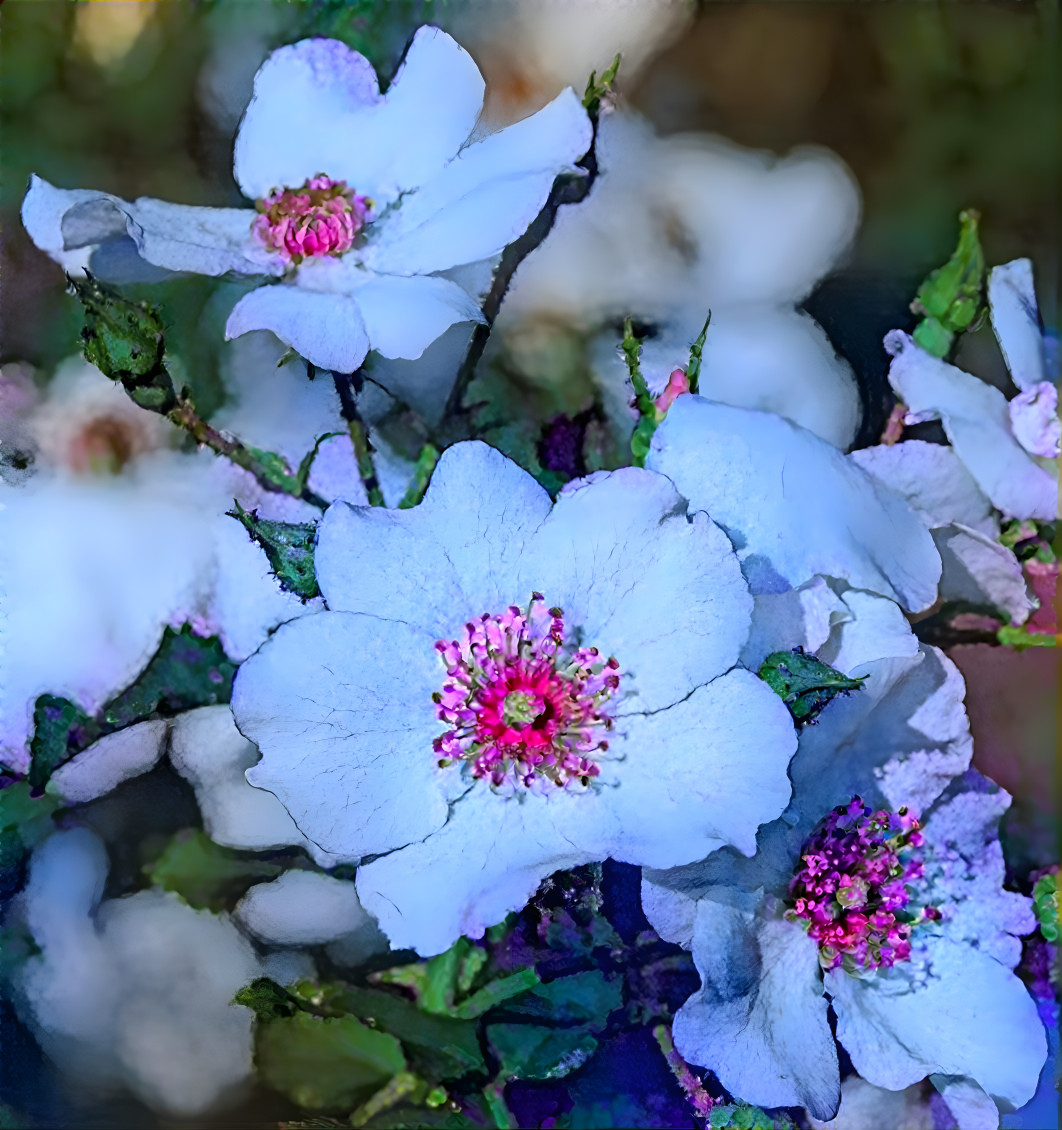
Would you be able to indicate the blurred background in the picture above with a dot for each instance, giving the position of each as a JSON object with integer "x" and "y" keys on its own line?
{"x": 934, "y": 107}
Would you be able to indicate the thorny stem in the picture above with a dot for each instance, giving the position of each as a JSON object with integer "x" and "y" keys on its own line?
{"x": 347, "y": 386}
{"x": 566, "y": 190}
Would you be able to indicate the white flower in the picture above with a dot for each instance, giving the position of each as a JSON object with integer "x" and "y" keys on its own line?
{"x": 674, "y": 226}
{"x": 113, "y": 537}
{"x": 1010, "y": 448}
{"x": 537, "y": 739}
{"x": 364, "y": 198}
{"x": 793, "y": 505}
{"x": 774, "y": 947}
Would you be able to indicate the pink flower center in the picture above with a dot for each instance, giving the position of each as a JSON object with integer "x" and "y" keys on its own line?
{"x": 321, "y": 218}
{"x": 521, "y": 706}
{"x": 851, "y": 887}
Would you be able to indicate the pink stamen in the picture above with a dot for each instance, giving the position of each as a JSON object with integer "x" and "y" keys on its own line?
{"x": 851, "y": 888}
{"x": 320, "y": 218}
{"x": 521, "y": 707}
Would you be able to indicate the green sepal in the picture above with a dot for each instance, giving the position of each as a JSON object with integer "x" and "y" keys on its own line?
{"x": 204, "y": 874}
{"x": 422, "y": 472}
{"x": 1045, "y": 903}
{"x": 599, "y": 88}
{"x": 268, "y": 1000}
{"x": 289, "y": 547}
{"x": 187, "y": 671}
{"x": 580, "y": 998}
{"x": 649, "y": 415}
{"x": 951, "y": 295}
{"x": 933, "y": 337}
{"x": 60, "y": 727}
{"x": 804, "y": 683}
{"x": 693, "y": 370}
{"x": 324, "y": 1063}
{"x": 539, "y": 1051}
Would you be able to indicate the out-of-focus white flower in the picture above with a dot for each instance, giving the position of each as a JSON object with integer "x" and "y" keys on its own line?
{"x": 362, "y": 200}
{"x": 538, "y": 686}
{"x": 676, "y": 226}
{"x": 113, "y": 537}
{"x": 1010, "y": 448}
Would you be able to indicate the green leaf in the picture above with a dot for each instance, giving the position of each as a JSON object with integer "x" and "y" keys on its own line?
{"x": 269, "y": 1000}
{"x": 274, "y": 469}
{"x": 693, "y": 371}
{"x": 27, "y": 815}
{"x": 204, "y": 874}
{"x": 289, "y": 546}
{"x": 741, "y": 1116}
{"x": 325, "y": 1063}
{"x": 539, "y": 1051}
{"x": 187, "y": 671}
{"x": 439, "y": 1046}
{"x": 1045, "y": 903}
{"x": 950, "y": 297}
{"x": 60, "y": 728}
{"x": 804, "y": 684}
{"x": 584, "y": 998}
{"x": 1021, "y": 638}
{"x": 599, "y": 88}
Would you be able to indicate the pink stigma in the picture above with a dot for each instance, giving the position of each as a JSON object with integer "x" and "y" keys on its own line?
{"x": 321, "y": 218}
{"x": 521, "y": 707}
{"x": 851, "y": 887}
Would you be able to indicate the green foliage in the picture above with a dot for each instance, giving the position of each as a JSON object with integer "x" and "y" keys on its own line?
{"x": 804, "y": 684}
{"x": 648, "y": 415}
{"x": 204, "y": 874}
{"x": 1021, "y": 638}
{"x": 25, "y": 819}
{"x": 581, "y": 998}
{"x": 1045, "y": 903}
{"x": 325, "y": 1063}
{"x": 187, "y": 671}
{"x": 60, "y": 728}
{"x": 443, "y": 986}
{"x": 289, "y": 546}
{"x": 269, "y": 1000}
{"x": 950, "y": 298}
{"x": 539, "y": 1051}
{"x": 693, "y": 370}
{"x": 429, "y": 456}
{"x": 740, "y": 1116}
{"x": 597, "y": 89}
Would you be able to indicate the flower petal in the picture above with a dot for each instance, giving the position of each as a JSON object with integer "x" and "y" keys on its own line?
{"x": 488, "y": 860}
{"x": 970, "y": 1017}
{"x": 346, "y": 745}
{"x": 178, "y": 237}
{"x": 459, "y": 549}
{"x": 976, "y": 419}
{"x": 326, "y": 329}
{"x": 107, "y": 763}
{"x": 317, "y": 109}
{"x": 705, "y": 772}
{"x": 980, "y": 572}
{"x": 403, "y": 316}
{"x": 1016, "y": 321}
{"x": 301, "y": 908}
{"x": 485, "y": 197}
{"x": 759, "y": 1020}
{"x": 661, "y": 593}
{"x": 792, "y": 504}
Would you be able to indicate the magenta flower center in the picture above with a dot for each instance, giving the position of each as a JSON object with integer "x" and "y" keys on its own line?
{"x": 321, "y": 218}
{"x": 851, "y": 888}
{"x": 521, "y": 706}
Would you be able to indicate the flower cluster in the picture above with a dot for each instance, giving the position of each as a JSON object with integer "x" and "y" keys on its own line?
{"x": 320, "y": 218}
{"x": 521, "y": 706}
{"x": 852, "y": 886}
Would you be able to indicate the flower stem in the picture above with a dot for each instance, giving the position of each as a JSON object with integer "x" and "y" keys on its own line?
{"x": 347, "y": 385}
{"x": 700, "y": 1100}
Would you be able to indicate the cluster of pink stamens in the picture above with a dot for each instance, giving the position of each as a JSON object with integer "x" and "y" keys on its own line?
{"x": 321, "y": 218}
{"x": 521, "y": 707}
{"x": 851, "y": 887}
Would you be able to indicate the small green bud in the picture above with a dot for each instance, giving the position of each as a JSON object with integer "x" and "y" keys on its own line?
{"x": 950, "y": 297}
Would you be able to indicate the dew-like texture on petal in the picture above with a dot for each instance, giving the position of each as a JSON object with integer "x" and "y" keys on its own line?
{"x": 340, "y": 707}
{"x": 979, "y": 571}
{"x": 766, "y": 358}
{"x": 971, "y": 1017}
{"x": 1016, "y": 321}
{"x": 662, "y": 593}
{"x": 487, "y": 860}
{"x": 403, "y": 316}
{"x": 326, "y": 329}
{"x": 136, "y": 995}
{"x": 977, "y": 421}
{"x": 706, "y": 772}
{"x": 178, "y": 237}
{"x": 933, "y": 480}
{"x": 301, "y": 908}
{"x": 455, "y": 556}
{"x": 107, "y": 763}
{"x": 317, "y": 109}
{"x": 759, "y": 1019}
{"x": 212, "y": 756}
{"x": 792, "y": 504}
{"x": 485, "y": 197}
